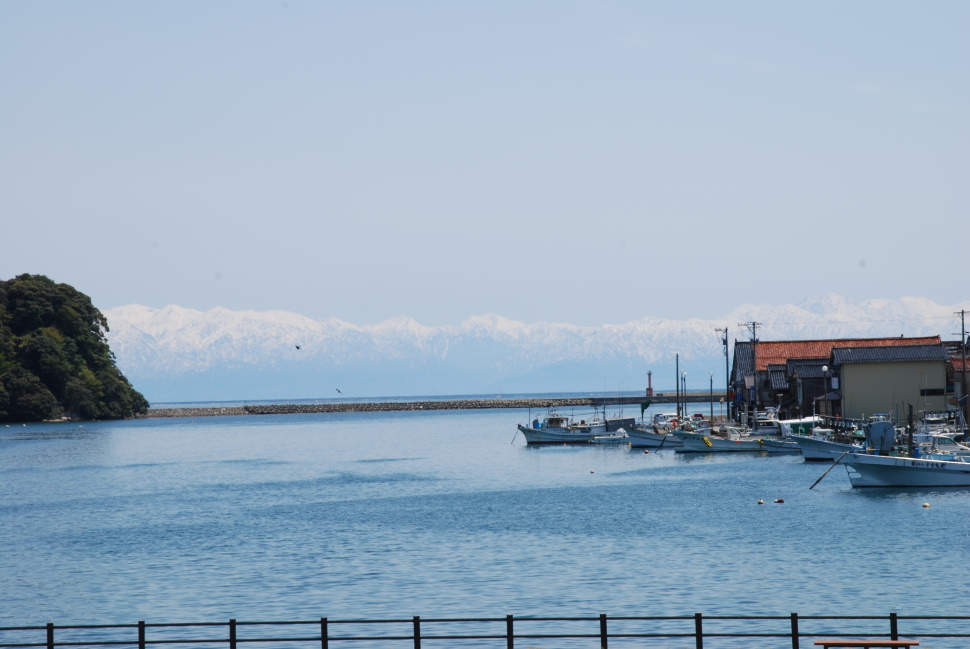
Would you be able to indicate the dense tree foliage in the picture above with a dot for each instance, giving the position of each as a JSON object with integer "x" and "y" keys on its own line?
{"x": 54, "y": 358}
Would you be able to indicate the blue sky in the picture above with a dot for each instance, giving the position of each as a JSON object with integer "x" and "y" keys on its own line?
{"x": 585, "y": 162}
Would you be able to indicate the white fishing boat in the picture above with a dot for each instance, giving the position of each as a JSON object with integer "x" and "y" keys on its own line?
{"x": 939, "y": 423}
{"x": 769, "y": 435}
{"x": 728, "y": 440}
{"x": 778, "y": 433}
{"x": 619, "y": 437}
{"x": 767, "y": 423}
{"x": 647, "y": 436}
{"x": 896, "y": 471}
{"x": 939, "y": 445}
{"x": 556, "y": 429}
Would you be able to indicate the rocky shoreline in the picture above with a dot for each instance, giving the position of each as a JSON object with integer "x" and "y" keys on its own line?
{"x": 382, "y": 406}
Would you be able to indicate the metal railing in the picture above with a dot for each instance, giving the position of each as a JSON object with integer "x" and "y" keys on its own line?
{"x": 670, "y": 632}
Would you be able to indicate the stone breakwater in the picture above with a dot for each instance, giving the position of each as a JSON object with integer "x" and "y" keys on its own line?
{"x": 381, "y": 406}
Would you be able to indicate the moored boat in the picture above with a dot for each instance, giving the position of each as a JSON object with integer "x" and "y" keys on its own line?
{"x": 619, "y": 437}
{"x": 921, "y": 462}
{"x": 728, "y": 440}
{"x": 939, "y": 445}
{"x": 557, "y": 429}
{"x": 896, "y": 471}
{"x": 828, "y": 444}
{"x": 820, "y": 447}
{"x": 645, "y": 436}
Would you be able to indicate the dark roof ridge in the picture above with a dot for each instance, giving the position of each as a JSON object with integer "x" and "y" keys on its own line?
{"x": 895, "y": 346}
{"x": 832, "y": 340}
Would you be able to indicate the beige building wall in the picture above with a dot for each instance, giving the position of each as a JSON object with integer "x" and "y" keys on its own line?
{"x": 869, "y": 388}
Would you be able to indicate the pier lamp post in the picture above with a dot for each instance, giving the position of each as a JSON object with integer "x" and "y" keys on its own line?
{"x": 712, "y": 396}
{"x": 825, "y": 389}
{"x": 683, "y": 383}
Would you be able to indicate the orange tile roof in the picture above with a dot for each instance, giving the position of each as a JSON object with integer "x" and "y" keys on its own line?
{"x": 775, "y": 352}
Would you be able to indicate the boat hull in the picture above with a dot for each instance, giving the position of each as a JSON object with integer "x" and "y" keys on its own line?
{"x": 556, "y": 429}
{"x": 613, "y": 438}
{"x": 823, "y": 450}
{"x": 781, "y": 445}
{"x": 644, "y": 437}
{"x": 557, "y": 435}
{"x": 704, "y": 442}
{"x": 890, "y": 471}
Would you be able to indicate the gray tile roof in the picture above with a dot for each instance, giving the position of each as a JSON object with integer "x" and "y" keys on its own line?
{"x": 807, "y": 368}
{"x": 742, "y": 359}
{"x": 901, "y": 354}
{"x": 777, "y": 375}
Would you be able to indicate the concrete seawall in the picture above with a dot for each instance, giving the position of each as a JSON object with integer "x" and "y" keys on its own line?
{"x": 395, "y": 406}
{"x": 383, "y": 406}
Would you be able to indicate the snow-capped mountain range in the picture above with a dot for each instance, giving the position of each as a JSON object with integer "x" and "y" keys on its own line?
{"x": 176, "y": 354}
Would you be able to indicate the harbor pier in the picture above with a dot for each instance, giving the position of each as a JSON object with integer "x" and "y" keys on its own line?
{"x": 535, "y": 403}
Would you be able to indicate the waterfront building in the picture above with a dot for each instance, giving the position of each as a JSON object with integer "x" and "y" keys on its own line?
{"x": 849, "y": 378}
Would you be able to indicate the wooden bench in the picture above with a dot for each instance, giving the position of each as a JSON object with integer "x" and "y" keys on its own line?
{"x": 865, "y": 644}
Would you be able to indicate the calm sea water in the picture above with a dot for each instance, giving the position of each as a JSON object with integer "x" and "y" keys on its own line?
{"x": 445, "y": 514}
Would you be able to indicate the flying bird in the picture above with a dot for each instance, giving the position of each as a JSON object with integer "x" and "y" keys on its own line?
{"x": 338, "y": 390}
{"x": 297, "y": 346}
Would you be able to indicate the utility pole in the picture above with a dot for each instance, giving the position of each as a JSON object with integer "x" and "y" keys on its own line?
{"x": 753, "y": 328}
{"x": 727, "y": 385}
{"x": 963, "y": 374}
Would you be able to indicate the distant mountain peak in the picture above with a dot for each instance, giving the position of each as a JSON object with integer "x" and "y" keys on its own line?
{"x": 185, "y": 354}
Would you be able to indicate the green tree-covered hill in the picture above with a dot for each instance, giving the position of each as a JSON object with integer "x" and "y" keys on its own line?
{"x": 54, "y": 359}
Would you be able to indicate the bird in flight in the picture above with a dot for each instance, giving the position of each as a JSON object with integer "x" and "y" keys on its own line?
{"x": 338, "y": 390}
{"x": 297, "y": 346}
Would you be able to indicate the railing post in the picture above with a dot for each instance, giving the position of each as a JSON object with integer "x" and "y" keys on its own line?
{"x": 324, "y": 633}
{"x": 509, "y": 636}
{"x": 698, "y": 631}
{"x": 232, "y": 633}
{"x": 893, "y": 626}
{"x": 603, "y": 634}
{"x": 794, "y": 631}
{"x": 141, "y": 634}
{"x": 50, "y": 635}
{"x": 417, "y": 632}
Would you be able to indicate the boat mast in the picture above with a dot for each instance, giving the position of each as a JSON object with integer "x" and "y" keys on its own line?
{"x": 965, "y": 410}
{"x": 724, "y": 341}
